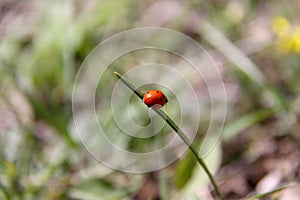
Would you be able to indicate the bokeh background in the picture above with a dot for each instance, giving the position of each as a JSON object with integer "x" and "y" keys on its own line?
{"x": 256, "y": 45}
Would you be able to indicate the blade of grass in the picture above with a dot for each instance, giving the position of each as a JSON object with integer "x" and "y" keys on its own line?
{"x": 163, "y": 185}
{"x": 179, "y": 132}
{"x": 246, "y": 121}
{"x": 263, "y": 195}
{"x": 241, "y": 61}
{"x": 4, "y": 191}
{"x": 235, "y": 55}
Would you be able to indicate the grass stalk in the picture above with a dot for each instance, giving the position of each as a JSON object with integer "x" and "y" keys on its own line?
{"x": 179, "y": 132}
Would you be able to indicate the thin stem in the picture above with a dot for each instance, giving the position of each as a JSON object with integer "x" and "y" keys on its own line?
{"x": 179, "y": 132}
{"x": 130, "y": 85}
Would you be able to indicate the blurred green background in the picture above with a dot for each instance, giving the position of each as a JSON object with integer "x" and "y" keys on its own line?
{"x": 256, "y": 45}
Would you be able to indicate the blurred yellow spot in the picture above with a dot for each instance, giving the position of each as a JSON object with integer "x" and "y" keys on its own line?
{"x": 280, "y": 26}
{"x": 296, "y": 39}
{"x": 288, "y": 36}
{"x": 285, "y": 44}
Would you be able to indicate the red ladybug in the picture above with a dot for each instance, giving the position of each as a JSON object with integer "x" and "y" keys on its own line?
{"x": 155, "y": 99}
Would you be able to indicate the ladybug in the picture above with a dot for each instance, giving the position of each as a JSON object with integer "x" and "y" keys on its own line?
{"x": 155, "y": 99}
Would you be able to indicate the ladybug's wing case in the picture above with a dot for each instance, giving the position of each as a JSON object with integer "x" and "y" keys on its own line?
{"x": 154, "y": 97}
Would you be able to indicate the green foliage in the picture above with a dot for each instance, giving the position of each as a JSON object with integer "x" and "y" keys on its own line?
{"x": 42, "y": 46}
{"x": 184, "y": 170}
{"x": 232, "y": 129}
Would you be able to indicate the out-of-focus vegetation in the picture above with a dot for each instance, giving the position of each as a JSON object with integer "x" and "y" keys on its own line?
{"x": 256, "y": 45}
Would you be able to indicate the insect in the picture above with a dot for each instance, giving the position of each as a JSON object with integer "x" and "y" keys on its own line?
{"x": 155, "y": 99}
